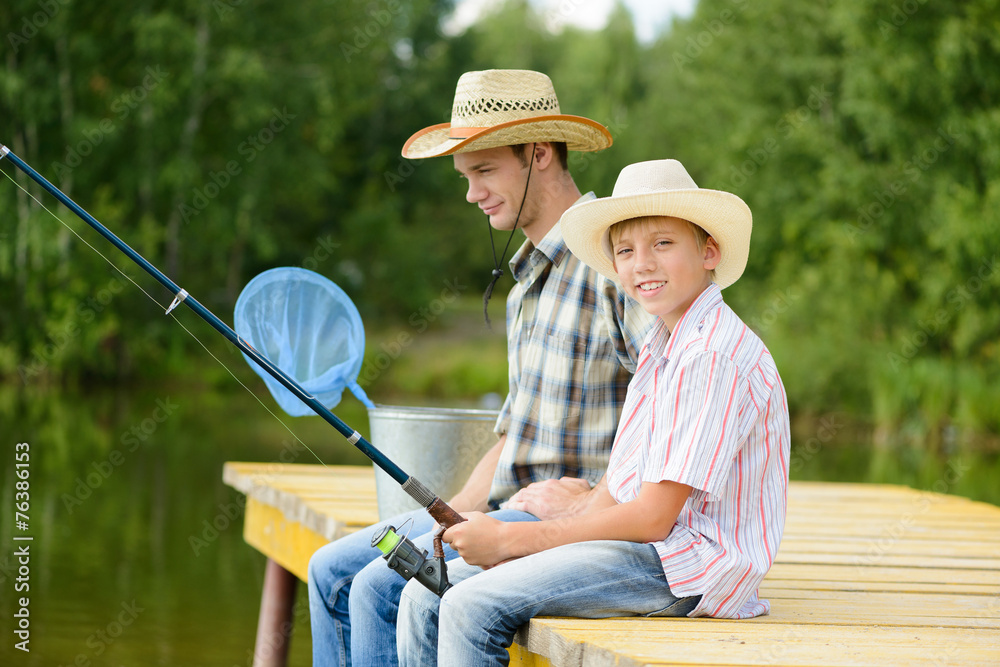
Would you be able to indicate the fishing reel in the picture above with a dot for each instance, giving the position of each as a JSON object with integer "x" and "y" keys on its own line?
{"x": 409, "y": 561}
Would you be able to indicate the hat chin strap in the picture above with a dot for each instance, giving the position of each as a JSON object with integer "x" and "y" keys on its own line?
{"x": 497, "y": 271}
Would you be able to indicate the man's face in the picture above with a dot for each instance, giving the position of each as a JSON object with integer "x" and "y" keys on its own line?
{"x": 496, "y": 184}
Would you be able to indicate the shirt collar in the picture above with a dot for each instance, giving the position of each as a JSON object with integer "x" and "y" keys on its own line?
{"x": 552, "y": 246}
{"x": 662, "y": 342}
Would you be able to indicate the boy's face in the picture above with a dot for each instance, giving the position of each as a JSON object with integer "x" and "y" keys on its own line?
{"x": 496, "y": 184}
{"x": 661, "y": 266}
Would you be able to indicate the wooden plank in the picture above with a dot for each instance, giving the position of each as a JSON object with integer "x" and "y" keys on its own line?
{"x": 880, "y": 504}
{"x": 915, "y": 604}
{"x": 889, "y": 560}
{"x": 984, "y": 590}
{"x": 795, "y": 544}
{"x": 880, "y": 533}
{"x": 913, "y": 527}
{"x": 900, "y": 523}
{"x": 920, "y": 502}
{"x": 913, "y": 511}
{"x": 847, "y": 612}
{"x": 782, "y": 571}
{"x": 249, "y": 477}
{"x": 635, "y": 642}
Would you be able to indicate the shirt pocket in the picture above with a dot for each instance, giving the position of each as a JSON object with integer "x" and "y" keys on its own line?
{"x": 561, "y": 371}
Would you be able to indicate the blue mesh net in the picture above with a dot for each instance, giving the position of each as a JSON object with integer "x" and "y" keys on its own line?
{"x": 309, "y": 328}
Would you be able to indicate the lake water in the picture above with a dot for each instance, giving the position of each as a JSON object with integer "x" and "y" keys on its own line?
{"x": 137, "y": 556}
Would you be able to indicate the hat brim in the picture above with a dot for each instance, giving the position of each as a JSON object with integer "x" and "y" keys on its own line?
{"x": 723, "y": 215}
{"x": 579, "y": 134}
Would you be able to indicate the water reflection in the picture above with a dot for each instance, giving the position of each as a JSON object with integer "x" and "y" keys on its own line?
{"x": 968, "y": 471}
{"x": 138, "y": 556}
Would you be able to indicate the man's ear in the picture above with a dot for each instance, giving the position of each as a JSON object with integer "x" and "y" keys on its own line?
{"x": 712, "y": 254}
{"x": 545, "y": 152}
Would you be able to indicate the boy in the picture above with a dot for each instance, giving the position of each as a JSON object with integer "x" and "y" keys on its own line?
{"x": 696, "y": 486}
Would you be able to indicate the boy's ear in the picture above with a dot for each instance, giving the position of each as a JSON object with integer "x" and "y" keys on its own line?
{"x": 712, "y": 254}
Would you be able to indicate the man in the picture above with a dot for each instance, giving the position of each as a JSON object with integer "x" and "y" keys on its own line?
{"x": 572, "y": 344}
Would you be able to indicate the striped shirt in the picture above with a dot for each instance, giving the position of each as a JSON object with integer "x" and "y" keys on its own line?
{"x": 572, "y": 344}
{"x": 707, "y": 408}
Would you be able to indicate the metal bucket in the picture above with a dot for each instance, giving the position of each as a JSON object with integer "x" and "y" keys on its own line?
{"x": 438, "y": 446}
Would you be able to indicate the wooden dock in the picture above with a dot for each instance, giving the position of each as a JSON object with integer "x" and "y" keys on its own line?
{"x": 866, "y": 575}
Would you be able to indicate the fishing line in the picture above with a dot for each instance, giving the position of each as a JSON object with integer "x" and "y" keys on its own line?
{"x": 153, "y": 299}
{"x": 497, "y": 271}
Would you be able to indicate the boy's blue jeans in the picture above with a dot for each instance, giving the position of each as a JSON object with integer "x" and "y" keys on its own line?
{"x": 354, "y": 596}
{"x": 474, "y": 623}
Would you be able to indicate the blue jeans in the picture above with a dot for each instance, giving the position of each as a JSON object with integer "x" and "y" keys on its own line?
{"x": 354, "y": 596}
{"x": 474, "y": 623}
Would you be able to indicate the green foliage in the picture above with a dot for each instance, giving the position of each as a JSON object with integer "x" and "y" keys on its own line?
{"x": 872, "y": 273}
{"x": 221, "y": 139}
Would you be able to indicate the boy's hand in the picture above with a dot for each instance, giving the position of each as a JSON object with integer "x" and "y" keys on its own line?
{"x": 478, "y": 540}
{"x": 552, "y": 498}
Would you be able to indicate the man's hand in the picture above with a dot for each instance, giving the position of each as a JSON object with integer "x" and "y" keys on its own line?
{"x": 479, "y": 540}
{"x": 553, "y": 498}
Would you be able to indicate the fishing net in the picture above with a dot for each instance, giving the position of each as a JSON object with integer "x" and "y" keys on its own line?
{"x": 309, "y": 328}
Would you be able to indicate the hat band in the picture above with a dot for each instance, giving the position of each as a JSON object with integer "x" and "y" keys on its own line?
{"x": 464, "y": 132}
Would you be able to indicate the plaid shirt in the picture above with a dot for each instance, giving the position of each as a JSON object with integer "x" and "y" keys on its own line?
{"x": 572, "y": 344}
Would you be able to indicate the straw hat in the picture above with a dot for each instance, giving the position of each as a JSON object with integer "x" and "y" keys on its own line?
{"x": 660, "y": 187}
{"x": 505, "y": 107}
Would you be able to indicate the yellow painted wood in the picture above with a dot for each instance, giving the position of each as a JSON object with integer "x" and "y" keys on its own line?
{"x": 522, "y": 657}
{"x": 294, "y": 509}
{"x": 866, "y": 574}
{"x": 287, "y": 543}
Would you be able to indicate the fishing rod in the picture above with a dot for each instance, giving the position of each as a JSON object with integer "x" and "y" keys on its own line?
{"x": 399, "y": 552}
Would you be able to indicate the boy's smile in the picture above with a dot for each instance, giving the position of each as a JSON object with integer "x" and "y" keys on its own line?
{"x": 660, "y": 264}
{"x": 647, "y": 287}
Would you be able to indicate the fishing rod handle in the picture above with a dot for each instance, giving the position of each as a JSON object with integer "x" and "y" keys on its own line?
{"x": 437, "y": 508}
{"x": 446, "y": 517}
{"x": 441, "y": 512}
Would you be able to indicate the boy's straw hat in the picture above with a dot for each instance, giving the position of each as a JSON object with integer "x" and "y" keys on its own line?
{"x": 660, "y": 187}
{"x": 505, "y": 107}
